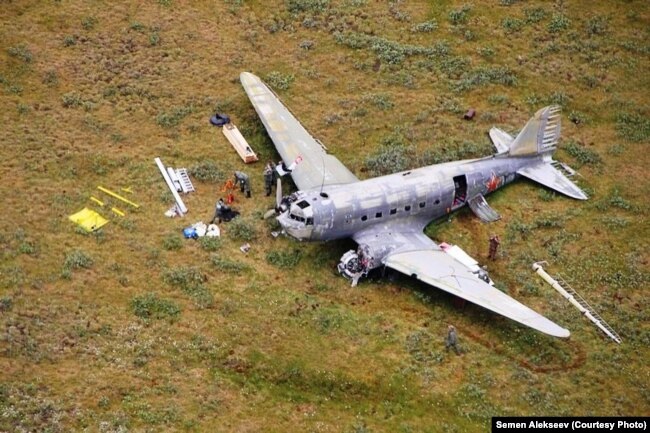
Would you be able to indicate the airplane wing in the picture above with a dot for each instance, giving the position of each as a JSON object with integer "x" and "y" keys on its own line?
{"x": 292, "y": 140}
{"x": 414, "y": 254}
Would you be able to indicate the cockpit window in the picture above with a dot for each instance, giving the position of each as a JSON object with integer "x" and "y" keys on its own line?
{"x": 296, "y": 218}
{"x": 302, "y": 204}
{"x": 310, "y": 221}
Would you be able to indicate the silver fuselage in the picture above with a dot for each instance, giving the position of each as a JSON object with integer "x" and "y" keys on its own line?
{"x": 412, "y": 198}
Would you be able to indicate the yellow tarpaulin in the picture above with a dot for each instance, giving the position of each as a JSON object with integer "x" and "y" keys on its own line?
{"x": 88, "y": 219}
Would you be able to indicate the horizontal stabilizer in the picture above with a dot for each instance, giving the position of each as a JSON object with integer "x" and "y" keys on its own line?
{"x": 551, "y": 177}
{"x": 482, "y": 209}
{"x": 501, "y": 139}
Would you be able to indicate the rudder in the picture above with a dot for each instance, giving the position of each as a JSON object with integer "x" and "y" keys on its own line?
{"x": 540, "y": 135}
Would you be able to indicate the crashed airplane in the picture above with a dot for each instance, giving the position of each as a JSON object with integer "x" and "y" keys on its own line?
{"x": 386, "y": 215}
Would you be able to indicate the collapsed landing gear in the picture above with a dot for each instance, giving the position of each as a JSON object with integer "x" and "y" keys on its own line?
{"x": 355, "y": 264}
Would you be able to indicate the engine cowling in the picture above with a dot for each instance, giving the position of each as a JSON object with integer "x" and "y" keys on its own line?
{"x": 356, "y": 264}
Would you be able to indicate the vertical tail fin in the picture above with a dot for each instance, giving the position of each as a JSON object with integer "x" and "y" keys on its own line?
{"x": 540, "y": 135}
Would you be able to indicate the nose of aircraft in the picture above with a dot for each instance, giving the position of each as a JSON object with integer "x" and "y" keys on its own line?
{"x": 295, "y": 224}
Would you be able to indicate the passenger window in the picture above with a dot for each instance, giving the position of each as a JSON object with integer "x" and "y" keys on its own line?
{"x": 393, "y": 211}
{"x": 437, "y": 201}
{"x": 422, "y": 204}
{"x": 365, "y": 217}
{"x": 407, "y": 208}
{"x": 378, "y": 215}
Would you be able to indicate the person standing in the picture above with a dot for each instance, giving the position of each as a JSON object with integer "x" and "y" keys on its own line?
{"x": 269, "y": 171}
{"x": 244, "y": 182}
{"x": 452, "y": 340}
{"x": 494, "y": 245}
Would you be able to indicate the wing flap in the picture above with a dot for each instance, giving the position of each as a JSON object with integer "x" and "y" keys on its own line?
{"x": 292, "y": 140}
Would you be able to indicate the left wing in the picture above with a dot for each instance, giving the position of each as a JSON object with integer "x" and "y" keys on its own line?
{"x": 414, "y": 254}
{"x": 292, "y": 140}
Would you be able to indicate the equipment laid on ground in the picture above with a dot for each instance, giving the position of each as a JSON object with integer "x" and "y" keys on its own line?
{"x": 180, "y": 179}
{"x": 179, "y": 202}
{"x": 89, "y": 220}
{"x": 219, "y": 119}
{"x": 117, "y": 196}
{"x": 239, "y": 143}
{"x": 569, "y": 293}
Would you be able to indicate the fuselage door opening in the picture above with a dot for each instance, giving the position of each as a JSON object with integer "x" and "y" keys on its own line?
{"x": 460, "y": 191}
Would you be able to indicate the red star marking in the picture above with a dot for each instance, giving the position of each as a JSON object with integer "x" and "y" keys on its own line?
{"x": 493, "y": 183}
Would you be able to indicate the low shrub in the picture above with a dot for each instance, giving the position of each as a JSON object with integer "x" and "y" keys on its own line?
{"x": 210, "y": 243}
{"x": 77, "y": 259}
{"x": 459, "y": 16}
{"x": 71, "y": 100}
{"x": 425, "y": 27}
{"x": 597, "y": 25}
{"x": 379, "y": 100}
{"x": 534, "y": 15}
{"x": 190, "y": 280}
{"x": 558, "y": 23}
{"x": 172, "y": 242}
{"x": 174, "y": 116}
{"x": 511, "y": 25}
{"x": 88, "y": 23}
{"x": 227, "y": 265}
{"x": 583, "y": 155}
{"x": 279, "y": 81}
{"x": 184, "y": 277}
{"x": 284, "y": 259}
{"x": 633, "y": 126}
{"x": 21, "y": 52}
{"x": 298, "y": 6}
{"x": 242, "y": 228}
{"x": 150, "y": 306}
{"x": 207, "y": 171}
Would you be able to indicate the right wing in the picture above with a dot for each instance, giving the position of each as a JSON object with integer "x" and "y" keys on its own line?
{"x": 292, "y": 140}
{"x": 414, "y": 254}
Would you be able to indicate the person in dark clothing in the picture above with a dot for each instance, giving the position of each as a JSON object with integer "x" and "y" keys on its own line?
{"x": 223, "y": 212}
{"x": 494, "y": 245}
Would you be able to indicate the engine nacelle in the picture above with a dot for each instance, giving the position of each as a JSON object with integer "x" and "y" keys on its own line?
{"x": 356, "y": 264}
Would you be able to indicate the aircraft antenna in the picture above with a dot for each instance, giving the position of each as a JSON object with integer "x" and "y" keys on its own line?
{"x": 574, "y": 298}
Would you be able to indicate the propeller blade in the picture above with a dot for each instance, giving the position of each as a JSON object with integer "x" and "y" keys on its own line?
{"x": 278, "y": 193}
{"x": 269, "y": 213}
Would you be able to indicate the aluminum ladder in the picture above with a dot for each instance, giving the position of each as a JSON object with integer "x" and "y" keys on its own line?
{"x": 184, "y": 179}
{"x": 595, "y": 317}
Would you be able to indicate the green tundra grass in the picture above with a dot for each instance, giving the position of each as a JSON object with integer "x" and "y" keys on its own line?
{"x": 133, "y": 328}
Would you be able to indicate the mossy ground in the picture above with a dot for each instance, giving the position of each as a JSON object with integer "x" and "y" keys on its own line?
{"x": 92, "y": 92}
